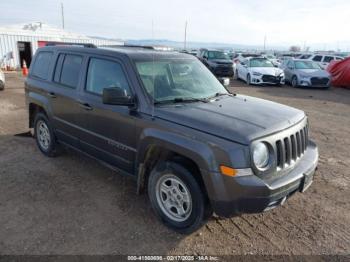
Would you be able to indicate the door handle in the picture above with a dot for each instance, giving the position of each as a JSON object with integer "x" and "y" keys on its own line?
{"x": 51, "y": 94}
{"x": 85, "y": 106}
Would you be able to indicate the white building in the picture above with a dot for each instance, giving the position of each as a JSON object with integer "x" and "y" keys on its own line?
{"x": 19, "y": 42}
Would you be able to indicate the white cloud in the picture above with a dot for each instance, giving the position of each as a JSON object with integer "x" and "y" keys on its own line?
{"x": 233, "y": 21}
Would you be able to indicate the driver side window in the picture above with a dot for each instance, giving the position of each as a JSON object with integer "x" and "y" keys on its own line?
{"x": 105, "y": 74}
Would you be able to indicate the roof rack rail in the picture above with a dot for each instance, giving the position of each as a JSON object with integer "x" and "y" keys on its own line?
{"x": 88, "y": 45}
{"x": 134, "y": 46}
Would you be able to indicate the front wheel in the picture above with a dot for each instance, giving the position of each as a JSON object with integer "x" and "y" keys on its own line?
{"x": 44, "y": 136}
{"x": 235, "y": 76}
{"x": 248, "y": 79}
{"x": 176, "y": 197}
{"x": 294, "y": 81}
{"x": 2, "y": 85}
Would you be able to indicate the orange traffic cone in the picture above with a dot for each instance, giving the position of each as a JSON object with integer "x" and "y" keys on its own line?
{"x": 24, "y": 68}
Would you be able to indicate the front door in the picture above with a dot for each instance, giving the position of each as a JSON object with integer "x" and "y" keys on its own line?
{"x": 109, "y": 131}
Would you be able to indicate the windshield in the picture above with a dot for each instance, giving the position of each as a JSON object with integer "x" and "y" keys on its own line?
{"x": 217, "y": 55}
{"x": 260, "y": 62}
{"x": 169, "y": 80}
{"x": 306, "y": 65}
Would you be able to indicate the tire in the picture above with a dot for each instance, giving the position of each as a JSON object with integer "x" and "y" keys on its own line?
{"x": 248, "y": 79}
{"x": 294, "y": 81}
{"x": 171, "y": 184}
{"x": 45, "y": 137}
{"x": 2, "y": 85}
{"x": 235, "y": 76}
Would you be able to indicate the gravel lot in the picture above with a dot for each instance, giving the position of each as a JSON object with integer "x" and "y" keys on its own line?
{"x": 73, "y": 205}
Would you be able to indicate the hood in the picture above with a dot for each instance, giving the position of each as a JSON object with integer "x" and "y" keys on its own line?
{"x": 313, "y": 72}
{"x": 221, "y": 61}
{"x": 237, "y": 118}
{"x": 267, "y": 70}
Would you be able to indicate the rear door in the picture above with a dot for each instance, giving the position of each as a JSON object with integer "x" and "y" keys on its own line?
{"x": 109, "y": 130}
{"x": 63, "y": 96}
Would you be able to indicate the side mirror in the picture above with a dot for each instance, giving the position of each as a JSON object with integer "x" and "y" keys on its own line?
{"x": 117, "y": 96}
{"x": 205, "y": 57}
{"x": 290, "y": 67}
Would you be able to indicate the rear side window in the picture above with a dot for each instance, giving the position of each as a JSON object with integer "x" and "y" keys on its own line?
{"x": 71, "y": 70}
{"x": 105, "y": 74}
{"x": 317, "y": 58}
{"x": 42, "y": 64}
{"x": 327, "y": 59}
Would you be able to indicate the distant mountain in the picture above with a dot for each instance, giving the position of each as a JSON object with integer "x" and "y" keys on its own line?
{"x": 196, "y": 45}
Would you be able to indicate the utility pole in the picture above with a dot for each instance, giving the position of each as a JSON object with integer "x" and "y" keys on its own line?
{"x": 185, "y": 35}
{"x": 62, "y": 14}
{"x": 265, "y": 43}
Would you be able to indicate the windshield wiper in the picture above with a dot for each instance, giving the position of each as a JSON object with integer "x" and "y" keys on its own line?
{"x": 181, "y": 100}
{"x": 217, "y": 95}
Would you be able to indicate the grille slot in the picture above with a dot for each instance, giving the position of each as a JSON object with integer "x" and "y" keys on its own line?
{"x": 292, "y": 147}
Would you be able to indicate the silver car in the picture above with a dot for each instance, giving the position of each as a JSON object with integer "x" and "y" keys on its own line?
{"x": 2, "y": 80}
{"x": 306, "y": 73}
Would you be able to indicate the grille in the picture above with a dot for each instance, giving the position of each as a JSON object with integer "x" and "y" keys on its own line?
{"x": 319, "y": 80}
{"x": 291, "y": 148}
{"x": 269, "y": 78}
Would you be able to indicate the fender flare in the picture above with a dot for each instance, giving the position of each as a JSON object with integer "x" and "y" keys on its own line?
{"x": 200, "y": 153}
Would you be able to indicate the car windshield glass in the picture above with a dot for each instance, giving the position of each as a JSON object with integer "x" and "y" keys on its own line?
{"x": 217, "y": 55}
{"x": 178, "y": 80}
{"x": 306, "y": 65}
{"x": 261, "y": 62}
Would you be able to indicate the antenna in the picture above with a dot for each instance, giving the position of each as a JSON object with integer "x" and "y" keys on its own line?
{"x": 185, "y": 35}
{"x": 62, "y": 14}
{"x": 154, "y": 91}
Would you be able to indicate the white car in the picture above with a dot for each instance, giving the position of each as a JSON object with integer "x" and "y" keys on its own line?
{"x": 259, "y": 71}
{"x": 322, "y": 60}
{"x": 2, "y": 80}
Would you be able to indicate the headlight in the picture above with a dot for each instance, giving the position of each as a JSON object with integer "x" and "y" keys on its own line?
{"x": 282, "y": 74}
{"x": 261, "y": 155}
{"x": 304, "y": 77}
{"x": 257, "y": 74}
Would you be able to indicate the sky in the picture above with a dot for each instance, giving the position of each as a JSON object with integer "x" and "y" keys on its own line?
{"x": 315, "y": 23}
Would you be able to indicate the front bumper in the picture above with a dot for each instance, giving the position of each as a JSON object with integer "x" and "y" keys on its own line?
{"x": 308, "y": 82}
{"x": 222, "y": 71}
{"x": 251, "y": 194}
{"x": 267, "y": 80}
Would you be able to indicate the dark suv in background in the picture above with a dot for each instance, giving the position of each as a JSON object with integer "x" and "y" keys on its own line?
{"x": 218, "y": 62}
{"x": 165, "y": 120}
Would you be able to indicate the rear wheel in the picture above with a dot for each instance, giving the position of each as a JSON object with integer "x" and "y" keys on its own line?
{"x": 248, "y": 79}
{"x": 294, "y": 81}
{"x": 44, "y": 136}
{"x": 177, "y": 198}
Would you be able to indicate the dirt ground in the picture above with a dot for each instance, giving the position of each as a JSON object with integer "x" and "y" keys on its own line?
{"x": 73, "y": 205}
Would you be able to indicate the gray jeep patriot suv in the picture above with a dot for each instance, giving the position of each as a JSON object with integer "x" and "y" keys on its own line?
{"x": 164, "y": 119}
